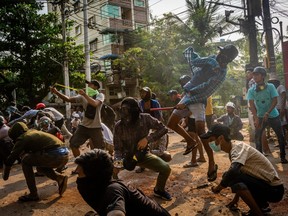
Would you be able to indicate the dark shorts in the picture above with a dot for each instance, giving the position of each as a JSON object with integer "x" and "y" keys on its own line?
{"x": 260, "y": 190}
{"x": 82, "y": 134}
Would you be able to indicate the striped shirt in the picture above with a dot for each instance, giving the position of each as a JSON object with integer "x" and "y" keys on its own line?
{"x": 207, "y": 76}
{"x": 126, "y": 137}
{"x": 254, "y": 163}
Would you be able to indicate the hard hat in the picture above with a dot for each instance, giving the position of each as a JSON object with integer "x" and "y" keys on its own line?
{"x": 230, "y": 104}
{"x": 260, "y": 70}
{"x": 40, "y": 106}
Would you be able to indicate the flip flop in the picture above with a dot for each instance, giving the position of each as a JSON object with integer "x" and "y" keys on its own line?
{"x": 213, "y": 175}
{"x": 28, "y": 198}
{"x": 188, "y": 165}
{"x": 190, "y": 149}
{"x": 63, "y": 185}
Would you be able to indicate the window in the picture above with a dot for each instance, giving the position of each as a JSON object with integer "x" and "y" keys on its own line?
{"x": 76, "y": 6}
{"x": 107, "y": 39}
{"x": 92, "y": 20}
{"x": 139, "y": 3}
{"x": 78, "y": 30}
{"x": 140, "y": 26}
{"x": 54, "y": 8}
{"x": 93, "y": 45}
{"x": 107, "y": 65}
{"x": 110, "y": 11}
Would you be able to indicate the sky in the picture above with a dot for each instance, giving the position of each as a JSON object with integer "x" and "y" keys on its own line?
{"x": 159, "y": 7}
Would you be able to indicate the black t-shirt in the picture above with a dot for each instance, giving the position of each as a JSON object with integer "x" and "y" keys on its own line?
{"x": 118, "y": 196}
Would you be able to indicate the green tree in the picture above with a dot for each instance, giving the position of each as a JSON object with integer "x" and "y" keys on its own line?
{"x": 164, "y": 43}
{"x": 33, "y": 50}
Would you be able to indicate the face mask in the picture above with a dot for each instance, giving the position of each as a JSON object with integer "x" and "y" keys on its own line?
{"x": 91, "y": 92}
{"x": 214, "y": 147}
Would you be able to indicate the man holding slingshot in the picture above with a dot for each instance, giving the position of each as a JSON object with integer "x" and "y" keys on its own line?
{"x": 90, "y": 127}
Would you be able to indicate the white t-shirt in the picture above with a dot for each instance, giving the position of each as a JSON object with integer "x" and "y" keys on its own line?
{"x": 107, "y": 134}
{"x": 57, "y": 115}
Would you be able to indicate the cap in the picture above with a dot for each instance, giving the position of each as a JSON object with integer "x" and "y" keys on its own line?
{"x": 230, "y": 51}
{"x": 40, "y": 106}
{"x": 172, "y": 92}
{"x": 217, "y": 130}
{"x": 230, "y": 104}
{"x": 273, "y": 76}
{"x": 94, "y": 82}
{"x": 76, "y": 115}
{"x": 146, "y": 89}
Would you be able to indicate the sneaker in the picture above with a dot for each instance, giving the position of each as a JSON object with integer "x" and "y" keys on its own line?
{"x": 266, "y": 210}
{"x": 61, "y": 169}
{"x": 162, "y": 194}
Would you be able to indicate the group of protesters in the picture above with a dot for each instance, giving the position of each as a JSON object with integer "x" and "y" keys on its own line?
{"x": 140, "y": 139}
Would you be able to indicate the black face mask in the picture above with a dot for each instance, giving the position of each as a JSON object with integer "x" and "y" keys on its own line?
{"x": 129, "y": 115}
{"x": 91, "y": 191}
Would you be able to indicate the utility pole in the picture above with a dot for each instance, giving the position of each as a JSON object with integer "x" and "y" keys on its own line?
{"x": 86, "y": 42}
{"x": 269, "y": 37}
{"x": 252, "y": 35}
{"x": 65, "y": 61}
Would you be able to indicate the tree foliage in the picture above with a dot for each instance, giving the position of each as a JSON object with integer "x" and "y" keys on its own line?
{"x": 162, "y": 46}
{"x": 32, "y": 50}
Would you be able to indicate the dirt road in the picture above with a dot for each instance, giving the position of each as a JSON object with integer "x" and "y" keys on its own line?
{"x": 182, "y": 183}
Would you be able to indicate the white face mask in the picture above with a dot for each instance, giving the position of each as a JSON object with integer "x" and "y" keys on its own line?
{"x": 214, "y": 147}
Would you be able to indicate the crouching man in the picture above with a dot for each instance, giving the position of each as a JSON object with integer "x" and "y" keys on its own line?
{"x": 40, "y": 149}
{"x": 131, "y": 143}
{"x": 251, "y": 175}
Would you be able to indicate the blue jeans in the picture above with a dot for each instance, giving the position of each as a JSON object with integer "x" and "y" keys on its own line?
{"x": 45, "y": 163}
{"x": 275, "y": 124}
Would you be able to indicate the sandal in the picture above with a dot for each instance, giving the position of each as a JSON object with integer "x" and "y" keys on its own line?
{"x": 213, "y": 175}
{"x": 63, "y": 185}
{"x": 140, "y": 170}
{"x": 190, "y": 149}
{"x": 28, "y": 198}
{"x": 188, "y": 165}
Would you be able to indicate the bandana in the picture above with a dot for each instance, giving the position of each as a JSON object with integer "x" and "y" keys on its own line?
{"x": 91, "y": 92}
